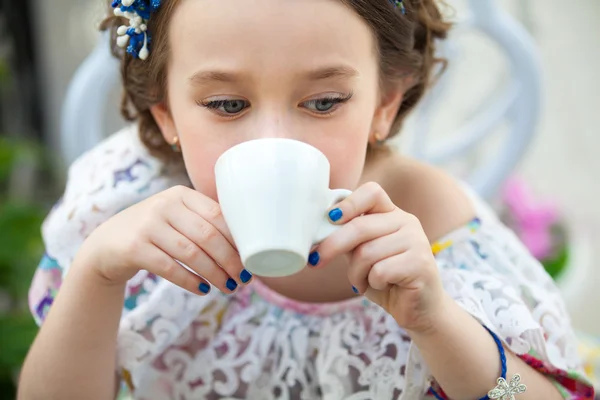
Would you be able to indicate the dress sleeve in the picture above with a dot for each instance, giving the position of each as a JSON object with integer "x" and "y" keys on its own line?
{"x": 489, "y": 272}
{"x": 111, "y": 177}
{"x": 48, "y": 278}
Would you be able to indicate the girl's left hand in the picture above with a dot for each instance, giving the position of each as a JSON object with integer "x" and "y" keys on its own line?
{"x": 391, "y": 261}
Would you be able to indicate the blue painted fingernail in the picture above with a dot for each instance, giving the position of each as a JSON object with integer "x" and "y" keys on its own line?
{"x": 355, "y": 290}
{"x": 314, "y": 258}
{"x": 204, "y": 287}
{"x": 231, "y": 284}
{"x": 335, "y": 215}
{"x": 245, "y": 276}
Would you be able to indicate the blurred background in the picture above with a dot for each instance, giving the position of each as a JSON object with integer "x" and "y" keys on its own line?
{"x": 548, "y": 188}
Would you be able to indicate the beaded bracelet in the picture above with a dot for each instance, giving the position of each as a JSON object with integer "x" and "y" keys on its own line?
{"x": 504, "y": 390}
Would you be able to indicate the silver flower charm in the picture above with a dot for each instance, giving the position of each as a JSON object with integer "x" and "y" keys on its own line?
{"x": 506, "y": 390}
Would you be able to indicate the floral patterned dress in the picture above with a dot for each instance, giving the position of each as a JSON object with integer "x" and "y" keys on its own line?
{"x": 257, "y": 344}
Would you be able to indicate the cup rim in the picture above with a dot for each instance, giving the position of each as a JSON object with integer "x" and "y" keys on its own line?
{"x": 221, "y": 158}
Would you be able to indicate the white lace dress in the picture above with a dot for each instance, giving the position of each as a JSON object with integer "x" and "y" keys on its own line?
{"x": 256, "y": 344}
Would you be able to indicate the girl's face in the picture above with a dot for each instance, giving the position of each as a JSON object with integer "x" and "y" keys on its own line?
{"x": 242, "y": 70}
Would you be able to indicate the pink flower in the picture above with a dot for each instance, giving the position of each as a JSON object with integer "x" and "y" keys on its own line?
{"x": 533, "y": 218}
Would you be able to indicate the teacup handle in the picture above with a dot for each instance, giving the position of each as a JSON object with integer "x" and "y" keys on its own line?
{"x": 327, "y": 228}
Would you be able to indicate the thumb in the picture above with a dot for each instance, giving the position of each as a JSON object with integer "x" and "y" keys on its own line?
{"x": 378, "y": 297}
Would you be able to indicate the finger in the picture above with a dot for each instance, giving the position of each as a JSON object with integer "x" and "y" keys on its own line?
{"x": 184, "y": 250}
{"x": 354, "y": 233}
{"x": 369, "y": 198}
{"x": 161, "y": 264}
{"x": 395, "y": 270}
{"x": 210, "y": 240}
{"x": 365, "y": 256}
{"x": 208, "y": 209}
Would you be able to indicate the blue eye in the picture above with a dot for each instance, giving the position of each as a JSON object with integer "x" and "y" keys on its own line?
{"x": 323, "y": 105}
{"x": 326, "y": 105}
{"x": 227, "y": 107}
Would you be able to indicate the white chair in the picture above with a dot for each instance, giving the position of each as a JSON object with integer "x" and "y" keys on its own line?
{"x": 518, "y": 103}
{"x": 86, "y": 101}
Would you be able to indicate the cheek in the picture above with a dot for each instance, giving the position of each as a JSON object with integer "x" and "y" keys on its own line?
{"x": 200, "y": 169}
{"x": 347, "y": 167}
{"x": 200, "y": 156}
{"x": 200, "y": 146}
{"x": 346, "y": 153}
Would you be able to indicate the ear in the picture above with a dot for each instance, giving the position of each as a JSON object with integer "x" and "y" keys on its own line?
{"x": 385, "y": 114}
{"x": 165, "y": 123}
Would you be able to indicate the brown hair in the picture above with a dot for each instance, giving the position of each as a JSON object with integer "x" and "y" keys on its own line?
{"x": 406, "y": 45}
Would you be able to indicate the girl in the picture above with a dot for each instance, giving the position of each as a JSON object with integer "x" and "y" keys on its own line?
{"x": 376, "y": 315}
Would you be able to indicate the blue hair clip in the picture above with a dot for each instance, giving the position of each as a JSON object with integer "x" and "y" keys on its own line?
{"x": 135, "y": 36}
{"x": 399, "y": 4}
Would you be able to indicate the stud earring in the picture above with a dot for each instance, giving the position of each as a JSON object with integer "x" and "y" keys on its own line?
{"x": 175, "y": 145}
{"x": 379, "y": 139}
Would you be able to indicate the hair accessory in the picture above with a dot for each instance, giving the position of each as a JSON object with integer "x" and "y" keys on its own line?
{"x": 504, "y": 390}
{"x": 138, "y": 13}
{"x": 399, "y": 4}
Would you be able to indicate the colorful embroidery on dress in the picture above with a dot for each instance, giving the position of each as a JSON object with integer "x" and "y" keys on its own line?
{"x": 471, "y": 227}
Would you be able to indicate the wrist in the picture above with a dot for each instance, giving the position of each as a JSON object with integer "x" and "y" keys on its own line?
{"x": 88, "y": 266}
{"x": 443, "y": 316}
{"x": 461, "y": 354}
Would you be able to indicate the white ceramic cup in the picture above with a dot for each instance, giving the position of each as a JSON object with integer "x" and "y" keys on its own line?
{"x": 274, "y": 195}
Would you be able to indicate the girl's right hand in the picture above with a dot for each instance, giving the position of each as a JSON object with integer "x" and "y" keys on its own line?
{"x": 177, "y": 224}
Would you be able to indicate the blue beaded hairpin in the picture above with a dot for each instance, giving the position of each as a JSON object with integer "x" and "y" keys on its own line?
{"x": 135, "y": 36}
{"x": 399, "y": 4}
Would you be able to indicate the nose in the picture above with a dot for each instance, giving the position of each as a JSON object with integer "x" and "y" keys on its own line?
{"x": 273, "y": 123}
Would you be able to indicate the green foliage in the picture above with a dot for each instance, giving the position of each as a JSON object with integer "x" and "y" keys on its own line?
{"x": 4, "y": 72}
{"x": 555, "y": 266}
{"x": 20, "y": 247}
{"x": 7, "y": 157}
{"x": 20, "y": 251}
{"x": 16, "y": 334}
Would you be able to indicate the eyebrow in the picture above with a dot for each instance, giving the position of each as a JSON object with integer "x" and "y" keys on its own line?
{"x": 204, "y": 77}
{"x": 340, "y": 71}
{"x": 332, "y": 72}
